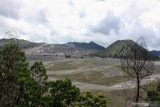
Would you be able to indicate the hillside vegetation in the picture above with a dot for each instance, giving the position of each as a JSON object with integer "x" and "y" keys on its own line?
{"x": 22, "y": 85}
{"x": 113, "y": 50}
{"x": 71, "y": 48}
{"x": 24, "y": 44}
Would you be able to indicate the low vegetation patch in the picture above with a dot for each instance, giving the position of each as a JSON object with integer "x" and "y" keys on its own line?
{"x": 97, "y": 77}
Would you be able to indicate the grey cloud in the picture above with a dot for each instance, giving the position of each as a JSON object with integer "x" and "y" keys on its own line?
{"x": 139, "y": 30}
{"x": 82, "y": 14}
{"x": 70, "y": 2}
{"x": 147, "y": 33}
{"x": 100, "y": 0}
{"x": 41, "y": 16}
{"x": 9, "y": 8}
{"x": 3, "y": 24}
{"x": 38, "y": 17}
{"x": 108, "y": 24}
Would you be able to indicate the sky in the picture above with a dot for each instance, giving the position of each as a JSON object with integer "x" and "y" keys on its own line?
{"x": 101, "y": 21}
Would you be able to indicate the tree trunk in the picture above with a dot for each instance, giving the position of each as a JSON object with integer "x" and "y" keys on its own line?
{"x": 138, "y": 89}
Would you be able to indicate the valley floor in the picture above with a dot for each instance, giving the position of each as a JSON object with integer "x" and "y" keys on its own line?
{"x": 96, "y": 74}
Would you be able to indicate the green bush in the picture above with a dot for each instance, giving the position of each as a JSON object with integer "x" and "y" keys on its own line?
{"x": 24, "y": 86}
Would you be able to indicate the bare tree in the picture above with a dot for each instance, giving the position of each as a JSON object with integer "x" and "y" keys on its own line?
{"x": 137, "y": 62}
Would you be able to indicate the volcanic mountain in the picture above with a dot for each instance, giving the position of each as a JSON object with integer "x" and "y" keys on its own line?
{"x": 70, "y": 48}
{"x": 114, "y": 49}
{"x": 155, "y": 53}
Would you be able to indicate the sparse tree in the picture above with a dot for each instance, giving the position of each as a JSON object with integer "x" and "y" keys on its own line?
{"x": 13, "y": 72}
{"x": 21, "y": 86}
{"x": 90, "y": 100}
{"x": 137, "y": 62}
{"x": 38, "y": 72}
{"x": 63, "y": 93}
{"x": 153, "y": 95}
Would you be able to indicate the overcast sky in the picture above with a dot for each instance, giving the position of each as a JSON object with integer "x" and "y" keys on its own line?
{"x": 102, "y": 21}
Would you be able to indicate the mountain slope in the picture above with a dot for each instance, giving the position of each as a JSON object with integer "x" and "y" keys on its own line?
{"x": 90, "y": 45}
{"x": 24, "y": 44}
{"x": 114, "y": 49}
{"x": 71, "y": 48}
{"x": 155, "y": 53}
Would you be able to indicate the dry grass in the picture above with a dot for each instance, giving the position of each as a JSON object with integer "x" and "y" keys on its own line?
{"x": 89, "y": 71}
{"x": 66, "y": 66}
{"x": 95, "y": 77}
{"x": 84, "y": 72}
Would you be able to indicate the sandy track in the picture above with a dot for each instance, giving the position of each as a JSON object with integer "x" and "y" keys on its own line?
{"x": 120, "y": 86}
{"x": 81, "y": 69}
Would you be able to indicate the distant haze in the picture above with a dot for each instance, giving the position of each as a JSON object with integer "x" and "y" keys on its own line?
{"x": 101, "y": 21}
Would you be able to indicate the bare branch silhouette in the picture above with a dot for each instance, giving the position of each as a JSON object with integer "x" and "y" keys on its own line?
{"x": 137, "y": 62}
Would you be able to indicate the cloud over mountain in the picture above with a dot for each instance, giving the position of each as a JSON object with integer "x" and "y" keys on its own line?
{"x": 103, "y": 21}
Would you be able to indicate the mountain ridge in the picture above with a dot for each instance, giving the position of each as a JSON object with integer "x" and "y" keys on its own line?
{"x": 24, "y": 44}
{"x": 114, "y": 49}
{"x": 155, "y": 52}
{"x": 70, "y": 48}
{"x": 73, "y": 48}
{"x": 84, "y": 45}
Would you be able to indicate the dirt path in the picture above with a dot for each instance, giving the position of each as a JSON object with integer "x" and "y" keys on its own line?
{"x": 120, "y": 86}
{"x": 81, "y": 69}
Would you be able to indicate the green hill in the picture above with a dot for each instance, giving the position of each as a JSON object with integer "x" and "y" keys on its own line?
{"x": 114, "y": 49}
{"x": 24, "y": 44}
{"x": 70, "y": 48}
{"x": 91, "y": 45}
